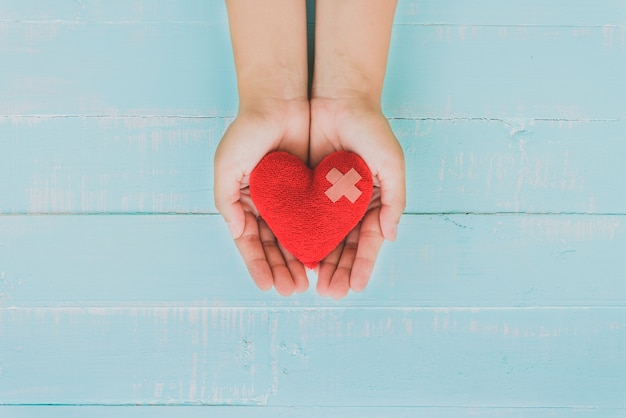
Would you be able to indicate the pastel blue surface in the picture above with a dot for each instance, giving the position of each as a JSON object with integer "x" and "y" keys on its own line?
{"x": 121, "y": 293}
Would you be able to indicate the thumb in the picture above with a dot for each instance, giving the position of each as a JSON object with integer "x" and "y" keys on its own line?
{"x": 393, "y": 199}
{"x": 234, "y": 216}
{"x": 389, "y": 220}
{"x": 227, "y": 194}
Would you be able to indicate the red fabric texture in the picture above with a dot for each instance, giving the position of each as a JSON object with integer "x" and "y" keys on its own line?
{"x": 294, "y": 201}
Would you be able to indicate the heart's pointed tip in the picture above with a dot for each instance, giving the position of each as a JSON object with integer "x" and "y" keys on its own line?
{"x": 311, "y": 265}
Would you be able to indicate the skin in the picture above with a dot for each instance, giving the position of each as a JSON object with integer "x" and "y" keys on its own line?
{"x": 351, "y": 48}
{"x": 270, "y": 57}
{"x": 343, "y": 113}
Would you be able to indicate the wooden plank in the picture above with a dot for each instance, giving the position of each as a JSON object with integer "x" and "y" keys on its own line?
{"x": 517, "y": 12}
{"x": 106, "y": 107}
{"x": 544, "y": 357}
{"x": 513, "y": 165}
{"x": 107, "y": 164}
{"x": 300, "y": 412}
{"x": 164, "y": 165}
{"x": 506, "y": 72}
{"x": 115, "y": 11}
{"x": 438, "y": 261}
{"x": 448, "y": 12}
{"x": 413, "y": 357}
{"x": 186, "y": 68}
{"x": 128, "y": 68}
{"x": 134, "y": 356}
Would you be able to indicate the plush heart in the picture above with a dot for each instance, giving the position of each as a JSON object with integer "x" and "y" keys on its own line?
{"x": 311, "y": 211}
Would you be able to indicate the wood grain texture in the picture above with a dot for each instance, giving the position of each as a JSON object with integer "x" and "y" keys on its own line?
{"x": 164, "y": 165}
{"x": 426, "y": 12}
{"x": 551, "y": 90}
{"x": 174, "y": 67}
{"x": 506, "y": 72}
{"x": 274, "y": 357}
{"x": 516, "y": 13}
{"x": 301, "y": 412}
{"x": 428, "y": 357}
{"x": 438, "y": 261}
{"x": 142, "y": 68}
{"x": 115, "y": 11}
{"x": 134, "y": 356}
{"x": 122, "y": 294}
{"x": 108, "y": 164}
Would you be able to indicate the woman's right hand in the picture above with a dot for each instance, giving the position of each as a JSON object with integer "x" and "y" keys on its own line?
{"x": 273, "y": 125}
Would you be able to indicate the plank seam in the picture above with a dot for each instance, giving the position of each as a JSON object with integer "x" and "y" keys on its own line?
{"x": 317, "y": 406}
{"x": 504, "y": 120}
{"x": 441, "y": 214}
{"x": 79, "y": 21}
{"x": 512, "y": 25}
{"x": 114, "y": 117}
{"x": 224, "y": 23}
{"x": 97, "y": 310}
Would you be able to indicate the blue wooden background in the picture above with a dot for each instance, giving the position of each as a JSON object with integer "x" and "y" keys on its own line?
{"x": 504, "y": 296}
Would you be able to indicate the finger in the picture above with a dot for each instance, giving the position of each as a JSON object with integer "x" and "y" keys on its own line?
{"x": 283, "y": 281}
{"x": 251, "y": 249}
{"x": 326, "y": 269}
{"x": 392, "y": 196}
{"x": 296, "y": 269}
{"x": 370, "y": 241}
{"x": 340, "y": 283}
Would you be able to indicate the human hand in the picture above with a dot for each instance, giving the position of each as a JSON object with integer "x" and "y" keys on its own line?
{"x": 274, "y": 125}
{"x": 353, "y": 125}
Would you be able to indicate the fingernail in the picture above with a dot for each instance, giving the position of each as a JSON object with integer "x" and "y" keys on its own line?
{"x": 231, "y": 228}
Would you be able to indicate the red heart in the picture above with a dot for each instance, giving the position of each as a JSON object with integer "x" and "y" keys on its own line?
{"x": 311, "y": 211}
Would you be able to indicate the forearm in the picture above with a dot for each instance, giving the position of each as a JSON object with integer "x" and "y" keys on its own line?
{"x": 351, "y": 48}
{"x": 269, "y": 47}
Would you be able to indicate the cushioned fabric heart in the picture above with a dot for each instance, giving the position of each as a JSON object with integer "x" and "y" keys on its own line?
{"x": 311, "y": 211}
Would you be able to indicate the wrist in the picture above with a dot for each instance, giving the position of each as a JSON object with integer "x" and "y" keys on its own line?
{"x": 347, "y": 105}
{"x": 274, "y": 108}
{"x": 355, "y": 94}
{"x": 257, "y": 87}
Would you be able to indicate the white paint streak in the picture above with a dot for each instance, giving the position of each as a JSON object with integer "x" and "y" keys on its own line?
{"x": 193, "y": 384}
{"x": 609, "y": 36}
{"x": 158, "y": 390}
{"x": 193, "y": 315}
{"x": 205, "y": 330}
{"x": 274, "y": 347}
{"x": 473, "y": 325}
{"x": 408, "y": 326}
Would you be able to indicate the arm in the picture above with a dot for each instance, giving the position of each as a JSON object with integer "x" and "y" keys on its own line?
{"x": 352, "y": 43}
{"x": 351, "y": 47}
{"x": 269, "y": 48}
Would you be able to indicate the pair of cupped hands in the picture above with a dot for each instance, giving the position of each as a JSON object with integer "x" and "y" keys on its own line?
{"x": 310, "y": 130}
